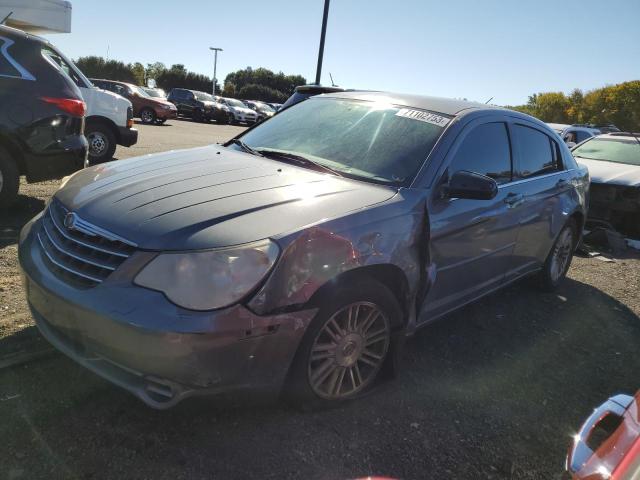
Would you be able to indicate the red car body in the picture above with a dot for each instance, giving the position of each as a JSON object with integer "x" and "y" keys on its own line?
{"x": 617, "y": 457}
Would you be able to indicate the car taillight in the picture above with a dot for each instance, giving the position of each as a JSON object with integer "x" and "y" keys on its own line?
{"x": 130, "y": 123}
{"x": 74, "y": 107}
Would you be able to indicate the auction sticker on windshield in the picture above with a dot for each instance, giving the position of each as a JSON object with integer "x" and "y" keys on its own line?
{"x": 423, "y": 116}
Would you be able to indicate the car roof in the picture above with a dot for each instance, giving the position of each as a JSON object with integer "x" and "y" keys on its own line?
{"x": 448, "y": 106}
{"x": 624, "y": 135}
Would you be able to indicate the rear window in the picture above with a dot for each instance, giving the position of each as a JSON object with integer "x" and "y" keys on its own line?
{"x": 617, "y": 150}
{"x": 9, "y": 66}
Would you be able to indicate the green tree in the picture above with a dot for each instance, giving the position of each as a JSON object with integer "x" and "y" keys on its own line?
{"x": 139, "y": 73}
{"x": 250, "y": 78}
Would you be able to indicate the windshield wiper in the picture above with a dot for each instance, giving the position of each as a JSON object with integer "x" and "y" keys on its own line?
{"x": 297, "y": 159}
{"x": 246, "y": 148}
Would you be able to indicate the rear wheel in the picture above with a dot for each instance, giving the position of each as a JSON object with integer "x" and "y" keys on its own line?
{"x": 102, "y": 142}
{"x": 559, "y": 259}
{"x": 345, "y": 345}
{"x": 147, "y": 116}
{"x": 9, "y": 180}
{"x": 160, "y": 121}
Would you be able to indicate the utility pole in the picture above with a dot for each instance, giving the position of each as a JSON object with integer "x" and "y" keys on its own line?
{"x": 215, "y": 65}
{"x": 322, "y": 35}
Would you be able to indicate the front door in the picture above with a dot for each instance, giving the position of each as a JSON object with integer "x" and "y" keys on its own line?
{"x": 472, "y": 241}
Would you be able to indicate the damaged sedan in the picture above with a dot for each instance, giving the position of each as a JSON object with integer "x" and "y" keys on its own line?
{"x": 613, "y": 161}
{"x": 298, "y": 256}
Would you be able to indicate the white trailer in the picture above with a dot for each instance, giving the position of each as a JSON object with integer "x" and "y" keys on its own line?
{"x": 37, "y": 16}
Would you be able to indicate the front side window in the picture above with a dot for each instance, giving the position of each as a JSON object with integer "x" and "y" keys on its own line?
{"x": 373, "y": 141}
{"x": 485, "y": 150}
{"x": 610, "y": 149}
{"x": 537, "y": 152}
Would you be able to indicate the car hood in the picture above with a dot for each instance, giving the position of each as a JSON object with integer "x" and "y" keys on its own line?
{"x": 611, "y": 172}
{"x": 209, "y": 197}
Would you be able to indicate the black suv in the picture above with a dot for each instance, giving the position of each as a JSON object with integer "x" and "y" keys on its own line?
{"x": 41, "y": 114}
{"x": 200, "y": 106}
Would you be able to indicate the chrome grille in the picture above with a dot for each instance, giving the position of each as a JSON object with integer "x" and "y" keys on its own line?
{"x": 84, "y": 255}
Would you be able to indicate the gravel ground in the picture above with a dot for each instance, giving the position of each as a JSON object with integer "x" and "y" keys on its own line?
{"x": 492, "y": 391}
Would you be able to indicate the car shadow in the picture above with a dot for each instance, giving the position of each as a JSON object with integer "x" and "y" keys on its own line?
{"x": 15, "y": 217}
{"x": 505, "y": 380}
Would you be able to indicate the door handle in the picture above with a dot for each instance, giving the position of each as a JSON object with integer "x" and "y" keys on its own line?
{"x": 514, "y": 199}
{"x": 562, "y": 183}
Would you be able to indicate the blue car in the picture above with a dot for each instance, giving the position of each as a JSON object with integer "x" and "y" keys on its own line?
{"x": 297, "y": 257}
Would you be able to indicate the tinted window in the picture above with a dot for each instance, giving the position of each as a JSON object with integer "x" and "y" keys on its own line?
{"x": 485, "y": 150}
{"x": 7, "y": 68}
{"x": 537, "y": 155}
{"x": 581, "y": 136}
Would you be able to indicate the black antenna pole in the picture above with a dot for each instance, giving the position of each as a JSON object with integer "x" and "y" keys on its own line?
{"x": 322, "y": 35}
{"x": 333, "y": 84}
{"x": 6, "y": 18}
{"x": 488, "y": 100}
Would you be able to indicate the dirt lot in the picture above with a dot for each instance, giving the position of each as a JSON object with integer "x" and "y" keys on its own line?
{"x": 492, "y": 391}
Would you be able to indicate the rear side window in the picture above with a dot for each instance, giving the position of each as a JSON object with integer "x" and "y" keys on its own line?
{"x": 9, "y": 66}
{"x": 538, "y": 152}
{"x": 485, "y": 150}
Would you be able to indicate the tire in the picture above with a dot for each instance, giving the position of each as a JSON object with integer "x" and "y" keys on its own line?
{"x": 148, "y": 116}
{"x": 559, "y": 259}
{"x": 102, "y": 142}
{"x": 333, "y": 363}
{"x": 9, "y": 180}
{"x": 160, "y": 121}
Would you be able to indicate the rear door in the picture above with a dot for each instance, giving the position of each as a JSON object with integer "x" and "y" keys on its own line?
{"x": 544, "y": 182}
{"x": 472, "y": 241}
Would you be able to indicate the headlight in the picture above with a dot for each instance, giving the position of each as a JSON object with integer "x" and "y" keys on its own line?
{"x": 167, "y": 107}
{"x": 211, "y": 279}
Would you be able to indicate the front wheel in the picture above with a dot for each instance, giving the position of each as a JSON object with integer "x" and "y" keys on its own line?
{"x": 102, "y": 143}
{"x": 148, "y": 116}
{"x": 345, "y": 345}
{"x": 559, "y": 259}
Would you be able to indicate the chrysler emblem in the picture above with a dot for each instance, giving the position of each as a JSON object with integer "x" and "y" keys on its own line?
{"x": 70, "y": 220}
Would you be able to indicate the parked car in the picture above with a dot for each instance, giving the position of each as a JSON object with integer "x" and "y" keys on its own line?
{"x": 613, "y": 161}
{"x": 109, "y": 117}
{"x": 574, "y": 134}
{"x": 305, "y": 91}
{"x": 300, "y": 254}
{"x": 41, "y": 114}
{"x": 240, "y": 112}
{"x": 275, "y": 106}
{"x": 149, "y": 109}
{"x": 200, "y": 106}
{"x": 263, "y": 110}
{"x": 608, "y": 443}
{"x": 155, "y": 92}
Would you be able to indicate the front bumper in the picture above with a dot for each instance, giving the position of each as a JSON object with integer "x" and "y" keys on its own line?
{"x": 127, "y": 136}
{"x": 161, "y": 353}
{"x": 163, "y": 114}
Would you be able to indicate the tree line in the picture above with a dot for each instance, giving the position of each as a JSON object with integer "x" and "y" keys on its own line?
{"x": 618, "y": 104}
{"x": 250, "y": 84}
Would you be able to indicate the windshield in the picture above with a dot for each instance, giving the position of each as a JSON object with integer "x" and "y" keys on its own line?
{"x": 204, "y": 97}
{"x": 235, "y": 103}
{"x": 141, "y": 91}
{"x": 152, "y": 92}
{"x": 618, "y": 150}
{"x": 264, "y": 107}
{"x": 368, "y": 140}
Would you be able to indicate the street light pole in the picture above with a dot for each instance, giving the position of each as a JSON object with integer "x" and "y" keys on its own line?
{"x": 215, "y": 64}
{"x": 322, "y": 35}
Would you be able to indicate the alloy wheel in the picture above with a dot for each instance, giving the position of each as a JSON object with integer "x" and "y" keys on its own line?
{"x": 561, "y": 254}
{"x": 147, "y": 116}
{"x": 98, "y": 143}
{"x": 349, "y": 350}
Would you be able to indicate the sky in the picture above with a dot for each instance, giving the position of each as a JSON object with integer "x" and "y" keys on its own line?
{"x": 505, "y": 49}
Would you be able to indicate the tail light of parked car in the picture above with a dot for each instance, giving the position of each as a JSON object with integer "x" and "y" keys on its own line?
{"x": 129, "y": 117}
{"x": 72, "y": 106}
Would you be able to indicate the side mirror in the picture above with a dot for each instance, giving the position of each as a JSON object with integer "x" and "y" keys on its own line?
{"x": 464, "y": 184}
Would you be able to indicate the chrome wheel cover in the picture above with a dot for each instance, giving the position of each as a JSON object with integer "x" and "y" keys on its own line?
{"x": 98, "y": 143}
{"x": 349, "y": 350}
{"x": 561, "y": 254}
